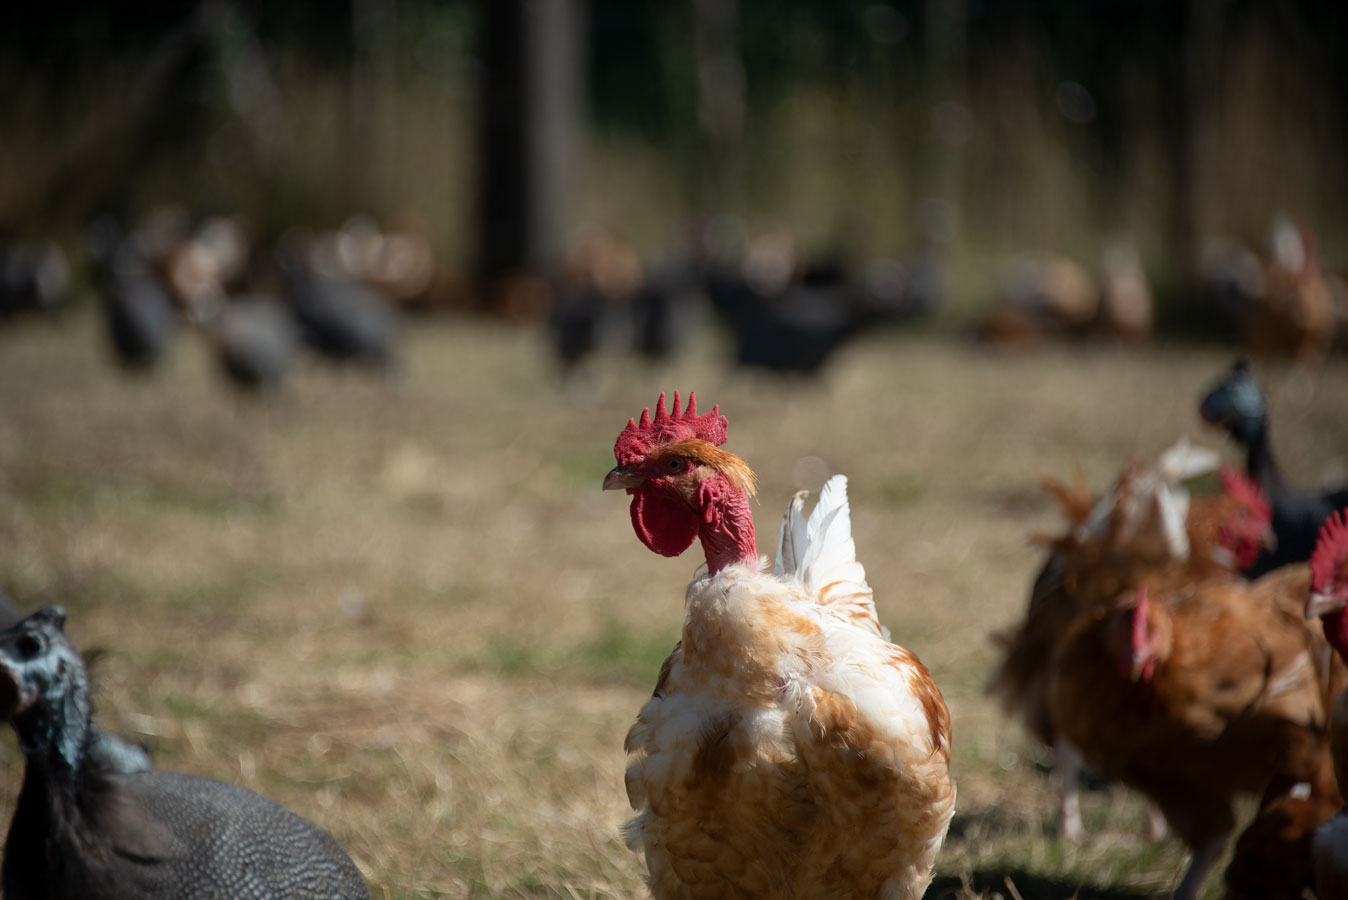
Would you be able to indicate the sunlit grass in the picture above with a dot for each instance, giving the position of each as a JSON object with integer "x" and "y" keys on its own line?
{"x": 408, "y": 612}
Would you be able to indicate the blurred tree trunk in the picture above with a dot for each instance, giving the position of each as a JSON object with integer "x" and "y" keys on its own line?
{"x": 1183, "y": 117}
{"x": 531, "y": 52}
{"x": 374, "y": 37}
{"x": 96, "y": 167}
{"x": 943, "y": 158}
{"x": 720, "y": 102}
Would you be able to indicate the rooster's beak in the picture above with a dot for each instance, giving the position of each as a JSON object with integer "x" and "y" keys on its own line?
{"x": 1269, "y": 540}
{"x": 620, "y": 480}
{"x": 1318, "y": 604}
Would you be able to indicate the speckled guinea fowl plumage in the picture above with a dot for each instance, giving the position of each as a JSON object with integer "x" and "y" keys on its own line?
{"x": 80, "y": 831}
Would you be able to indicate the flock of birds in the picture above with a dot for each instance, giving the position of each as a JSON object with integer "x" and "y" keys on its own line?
{"x": 332, "y": 294}
{"x": 339, "y": 294}
{"x": 1194, "y": 651}
{"x": 787, "y": 311}
{"x": 1283, "y": 304}
{"x": 783, "y": 311}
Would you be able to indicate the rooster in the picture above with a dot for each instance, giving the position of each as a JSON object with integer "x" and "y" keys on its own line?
{"x": 1327, "y": 601}
{"x": 1211, "y": 691}
{"x": 789, "y": 750}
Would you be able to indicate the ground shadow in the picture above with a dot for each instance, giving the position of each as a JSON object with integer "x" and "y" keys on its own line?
{"x": 1028, "y": 885}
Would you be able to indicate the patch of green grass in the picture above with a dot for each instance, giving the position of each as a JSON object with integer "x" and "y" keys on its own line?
{"x": 508, "y": 657}
{"x": 618, "y": 654}
{"x": 901, "y": 489}
{"x": 77, "y": 587}
{"x": 63, "y": 492}
{"x": 622, "y": 654}
{"x": 189, "y": 706}
{"x": 581, "y": 469}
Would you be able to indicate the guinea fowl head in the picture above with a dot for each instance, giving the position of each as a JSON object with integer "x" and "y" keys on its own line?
{"x": 1236, "y": 403}
{"x": 1329, "y": 581}
{"x": 43, "y": 691}
{"x": 683, "y": 485}
{"x": 1246, "y": 526}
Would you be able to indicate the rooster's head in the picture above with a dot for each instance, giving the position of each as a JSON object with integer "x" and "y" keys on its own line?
{"x": 683, "y": 485}
{"x": 1247, "y": 526}
{"x": 1329, "y": 581}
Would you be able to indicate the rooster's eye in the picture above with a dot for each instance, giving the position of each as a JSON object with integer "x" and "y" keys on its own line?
{"x": 675, "y": 464}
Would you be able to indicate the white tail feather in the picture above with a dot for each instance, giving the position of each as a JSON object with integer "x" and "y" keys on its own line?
{"x": 821, "y": 555}
{"x": 1184, "y": 461}
{"x": 793, "y": 539}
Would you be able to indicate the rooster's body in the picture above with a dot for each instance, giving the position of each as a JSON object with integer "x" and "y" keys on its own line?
{"x": 789, "y": 750}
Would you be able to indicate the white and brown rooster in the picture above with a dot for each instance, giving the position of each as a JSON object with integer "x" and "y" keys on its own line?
{"x": 789, "y": 750}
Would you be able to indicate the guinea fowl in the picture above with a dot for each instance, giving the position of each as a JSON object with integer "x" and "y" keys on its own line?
{"x": 1237, "y": 404}
{"x": 789, "y": 750}
{"x": 255, "y": 341}
{"x": 794, "y": 330}
{"x": 84, "y": 833}
{"x": 104, "y": 751}
{"x": 34, "y": 277}
{"x": 339, "y": 317}
{"x": 140, "y": 314}
{"x": 786, "y": 316}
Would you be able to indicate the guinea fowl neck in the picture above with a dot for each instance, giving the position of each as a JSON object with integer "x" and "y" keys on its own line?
{"x": 1260, "y": 464}
{"x": 727, "y": 528}
{"x": 54, "y": 737}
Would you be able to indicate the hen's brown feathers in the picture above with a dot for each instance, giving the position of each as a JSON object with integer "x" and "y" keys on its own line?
{"x": 1236, "y": 701}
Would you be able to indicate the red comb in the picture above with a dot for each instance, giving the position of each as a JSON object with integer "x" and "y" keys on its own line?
{"x": 1139, "y": 636}
{"x": 640, "y": 438}
{"x": 1331, "y": 550}
{"x": 1243, "y": 490}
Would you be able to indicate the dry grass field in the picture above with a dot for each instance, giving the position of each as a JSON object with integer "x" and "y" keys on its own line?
{"x": 406, "y": 610}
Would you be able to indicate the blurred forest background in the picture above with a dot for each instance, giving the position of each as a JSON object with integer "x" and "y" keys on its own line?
{"x": 505, "y": 131}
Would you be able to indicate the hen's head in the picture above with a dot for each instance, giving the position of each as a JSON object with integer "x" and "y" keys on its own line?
{"x": 1148, "y": 631}
{"x": 1246, "y": 526}
{"x": 1236, "y": 403}
{"x": 681, "y": 483}
{"x": 1329, "y": 581}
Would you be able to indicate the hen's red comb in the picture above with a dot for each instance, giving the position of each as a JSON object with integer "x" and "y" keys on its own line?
{"x": 640, "y": 438}
{"x": 1331, "y": 551}
{"x": 1139, "y": 630}
{"x": 1241, "y": 488}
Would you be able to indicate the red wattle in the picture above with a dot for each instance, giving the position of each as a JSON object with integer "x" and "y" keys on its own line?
{"x": 665, "y": 527}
